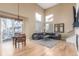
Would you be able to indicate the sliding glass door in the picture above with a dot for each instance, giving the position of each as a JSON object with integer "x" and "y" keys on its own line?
{"x": 9, "y": 27}
{"x": 6, "y": 28}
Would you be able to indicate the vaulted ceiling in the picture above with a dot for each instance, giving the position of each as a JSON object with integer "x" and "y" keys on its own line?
{"x": 46, "y": 5}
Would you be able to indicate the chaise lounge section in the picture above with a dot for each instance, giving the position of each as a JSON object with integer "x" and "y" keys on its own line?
{"x": 38, "y": 36}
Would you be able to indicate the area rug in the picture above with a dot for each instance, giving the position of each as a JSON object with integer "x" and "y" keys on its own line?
{"x": 48, "y": 43}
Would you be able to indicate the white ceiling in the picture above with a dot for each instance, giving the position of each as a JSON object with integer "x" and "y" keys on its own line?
{"x": 46, "y": 5}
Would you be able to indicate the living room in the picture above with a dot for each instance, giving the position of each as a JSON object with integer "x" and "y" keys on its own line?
{"x": 36, "y": 18}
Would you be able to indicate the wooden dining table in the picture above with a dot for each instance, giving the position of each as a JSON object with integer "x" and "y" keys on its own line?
{"x": 19, "y": 39}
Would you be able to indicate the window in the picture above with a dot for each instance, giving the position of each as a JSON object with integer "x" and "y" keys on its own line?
{"x": 9, "y": 27}
{"x": 49, "y": 18}
{"x": 18, "y": 26}
{"x": 49, "y": 28}
{"x": 59, "y": 28}
{"x": 38, "y": 25}
{"x": 48, "y": 23}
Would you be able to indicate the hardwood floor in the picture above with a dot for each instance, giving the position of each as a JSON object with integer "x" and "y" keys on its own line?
{"x": 32, "y": 49}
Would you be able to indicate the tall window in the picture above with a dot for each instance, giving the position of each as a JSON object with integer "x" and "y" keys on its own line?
{"x": 38, "y": 25}
{"x": 9, "y": 27}
{"x": 48, "y": 23}
{"x": 18, "y": 26}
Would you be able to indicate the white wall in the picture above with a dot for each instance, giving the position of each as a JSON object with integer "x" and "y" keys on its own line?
{"x": 0, "y": 31}
{"x": 62, "y": 13}
{"x": 28, "y": 11}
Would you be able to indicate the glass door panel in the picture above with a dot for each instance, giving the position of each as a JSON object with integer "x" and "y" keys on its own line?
{"x": 17, "y": 26}
{"x": 6, "y": 28}
{"x": 9, "y": 27}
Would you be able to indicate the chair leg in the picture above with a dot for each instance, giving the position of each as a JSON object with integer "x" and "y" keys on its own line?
{"x": 15, "y": 44}
{"x": 22, "y": 43}
{"x": 25, "y": 43}
{"x": 18, "y": 44}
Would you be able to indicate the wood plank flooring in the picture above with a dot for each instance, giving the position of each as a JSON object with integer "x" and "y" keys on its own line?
{"x": 32, "y": 49}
